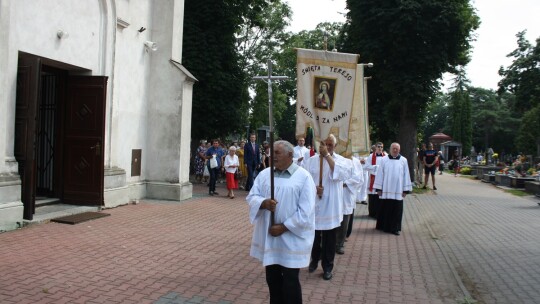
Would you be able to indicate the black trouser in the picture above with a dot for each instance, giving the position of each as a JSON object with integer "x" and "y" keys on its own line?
{"x": 214, "y": 173}
{"x": 251, "y": 175}
{"x": 342, "y": 231}
{"x": 324, "y": 248}
{"x": 373, "y": 205}
{"x": 284, "y": 284}
{"x": 349, "y": 229}
{"x": 391, "y": 215}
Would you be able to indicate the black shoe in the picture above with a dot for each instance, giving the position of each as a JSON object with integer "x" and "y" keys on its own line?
{"x": 424, "y": 187}
{"x": 215, "y": 193}
{"x": 396, "y": 232}
{"x": 363, "y": 203}
{"x": 312, "y": 267}
{"x": 434, "y": 188}
{"x": 340, "y": 250}
{"x": 327, "y": 275}
{"x": 211, "y": 193}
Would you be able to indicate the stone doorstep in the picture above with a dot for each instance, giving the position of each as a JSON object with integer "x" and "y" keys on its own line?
{"x": 48, "y": 212}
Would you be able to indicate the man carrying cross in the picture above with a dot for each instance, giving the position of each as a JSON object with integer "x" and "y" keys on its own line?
{"x": 283, "y": 247}
{"x": 329, "y": 203}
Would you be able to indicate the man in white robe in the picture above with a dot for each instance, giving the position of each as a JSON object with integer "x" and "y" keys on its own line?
{"x": 392, "y": 183}
{"x": 328, "y": 204}
{"x": 284, "y": 247}
{"x": 300, "y": 152}
{"x": 351, "y": 188}
{"x": 372, "y": 165}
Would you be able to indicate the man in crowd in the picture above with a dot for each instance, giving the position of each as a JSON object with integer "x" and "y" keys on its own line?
{"x": 329, "y": 207}
{"x": 284, "y": 246}
{"x": 300, "y": 152}
{"x": 351, "y": 187}
{"x": 392, "y": 183}
{"x": 251, "y": 159}
{"x": 372, "y": 166}
{"x": 215, "y": 151}
{"x": 430, "y": 160}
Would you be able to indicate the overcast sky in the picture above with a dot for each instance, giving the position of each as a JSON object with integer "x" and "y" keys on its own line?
{"x": 501, "y": 21}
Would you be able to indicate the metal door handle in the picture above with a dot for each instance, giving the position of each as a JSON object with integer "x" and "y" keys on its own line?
{"x": 97, "y": 147}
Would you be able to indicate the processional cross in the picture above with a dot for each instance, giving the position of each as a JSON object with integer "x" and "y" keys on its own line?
{"x": 269, "y": 79}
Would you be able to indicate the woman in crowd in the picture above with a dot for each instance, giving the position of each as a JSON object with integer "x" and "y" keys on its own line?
{"x": 231, "y": 165}
{"x": 199, "y": 161}
{"x": 441, "y": 163}
{"x": 242, "y": 169}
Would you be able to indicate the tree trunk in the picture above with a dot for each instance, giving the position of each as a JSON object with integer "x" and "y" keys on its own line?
{"x": 407, "y": 137}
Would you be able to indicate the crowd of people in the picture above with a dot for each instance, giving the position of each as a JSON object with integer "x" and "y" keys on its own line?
{"x": 299, "y": 227}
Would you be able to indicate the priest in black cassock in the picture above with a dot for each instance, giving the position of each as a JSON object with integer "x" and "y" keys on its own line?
{"x": 392, "y": 183}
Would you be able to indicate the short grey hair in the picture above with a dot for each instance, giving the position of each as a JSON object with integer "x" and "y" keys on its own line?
{"x": 286, "y": 145}
{"x": 333, "y": 138}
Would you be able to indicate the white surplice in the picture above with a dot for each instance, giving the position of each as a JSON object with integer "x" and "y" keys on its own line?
{"x": 362, "y": 194}
{"x": 354, "y": 186}
{"x": 295, "y": 209}
{"x": 329, "y": 208}
{"x": 393, "y": 177}
{"x": 372, "y": 168}
{"x": 300, "y": 152}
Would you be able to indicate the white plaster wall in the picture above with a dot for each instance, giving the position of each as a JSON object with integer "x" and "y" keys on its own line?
{"x": 34, "y": 25}
{"x": 148, "y": 102}
{"x": 164, "y": 103}
{"x": 5, "y": 107}
{"x": 132, "y": 64}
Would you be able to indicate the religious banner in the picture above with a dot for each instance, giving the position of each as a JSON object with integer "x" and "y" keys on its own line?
{"x": 359, "y": 142}
{"x": 326, "y": 91}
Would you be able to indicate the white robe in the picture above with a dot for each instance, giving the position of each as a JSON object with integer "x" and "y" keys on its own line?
{"x": 354, "y": 185}
{"x": 372, "y": 168}
{"x": 393, "y": 178}
{"x": 329, "y": 208}
{"x": 295, "y": 209}
{"x": 362, "y": 193}
{"x": 300, "y": 152}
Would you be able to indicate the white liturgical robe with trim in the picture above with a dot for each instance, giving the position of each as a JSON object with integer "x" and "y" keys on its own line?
{"x": 295, "y": 197}
{"x": 354, "y": 186}
{"x": 393, "y": 177}
{"x": 300, "y": 152}
{"x": 329, "y": 208}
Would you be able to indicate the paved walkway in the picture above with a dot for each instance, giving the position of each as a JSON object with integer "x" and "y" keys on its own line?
{"x": 466, "y": 240}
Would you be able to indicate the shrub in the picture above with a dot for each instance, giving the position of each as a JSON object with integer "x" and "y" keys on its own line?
{"x": 465, "y": 171}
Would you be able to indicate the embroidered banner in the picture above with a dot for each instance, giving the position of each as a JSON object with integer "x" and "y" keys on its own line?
{"x": 326, "y": 90}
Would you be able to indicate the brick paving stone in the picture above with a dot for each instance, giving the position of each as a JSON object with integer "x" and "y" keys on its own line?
{"x": 197, "y": 251}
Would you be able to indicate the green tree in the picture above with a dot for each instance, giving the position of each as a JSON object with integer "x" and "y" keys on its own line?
{"x": 411, "y": 43}
{"x": 210, "y": 53}
{"x": 522, "y": 79}
{"x": 494, "y": 123}
{"x": 437, "y": 117}
{"x": 529, "y": 131}
{"x": 461, "y": 112}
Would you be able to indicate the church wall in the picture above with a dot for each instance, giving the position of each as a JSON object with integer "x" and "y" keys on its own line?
{"x": 148, "y": 102}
